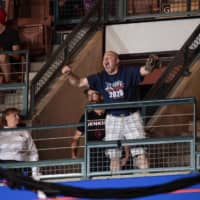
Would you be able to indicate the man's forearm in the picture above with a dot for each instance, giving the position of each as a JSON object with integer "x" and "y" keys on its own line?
{"x": 73, "y": 79}
{"x": 74, "y": 148}
{"x": 15, "y": 52}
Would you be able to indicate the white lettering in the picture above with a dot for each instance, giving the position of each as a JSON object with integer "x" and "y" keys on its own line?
{"x": 97, "y": 122}
{"x": 195, "y": 43}
{"x": 115, "y": 89}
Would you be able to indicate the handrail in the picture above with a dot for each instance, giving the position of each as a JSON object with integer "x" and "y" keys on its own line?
{"x": 65, "y": 52}
{"x": 142, "y": 103}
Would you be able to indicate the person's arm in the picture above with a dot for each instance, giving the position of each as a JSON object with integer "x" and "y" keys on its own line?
{"x": 5, "y": 67}
{"x": 151, "y": 63}
{"x": 16, "y": 48}
{"x": 73, "y": 79}
{"x": 75, "y": 142}
{"x": 15, "y": 44}
{"x": 125, "y": 159}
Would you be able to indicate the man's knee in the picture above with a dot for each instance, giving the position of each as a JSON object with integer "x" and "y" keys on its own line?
{"x": 114, "y": 164}
{"x": 4, "y": 58}
{"x": 114, "y": 155}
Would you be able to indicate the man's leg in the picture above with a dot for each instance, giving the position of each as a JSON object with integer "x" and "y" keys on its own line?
{"x": 135, "y": 130}
{"x": 114, "y": 164}
{"x": 113, "y": 132}
{"x": 5, "y": 67}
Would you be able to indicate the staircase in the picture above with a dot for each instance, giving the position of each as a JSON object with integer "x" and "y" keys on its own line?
{"x": 64, "y": 53}
{"x": 177, "y": 68}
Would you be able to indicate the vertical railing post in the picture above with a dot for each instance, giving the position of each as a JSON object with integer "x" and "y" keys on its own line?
{"x": 32, "y": 98}
{"x": 55, "y": 11}
{"x": 86, "y": 157}
{"x": 26, "y": 92}
{"x": 101, "y": 11}
{"x": 105, "y": 11}
{"x": 188, "y": 2}
{"x": 194, "y": 135}
{"x": 121, "y": 10}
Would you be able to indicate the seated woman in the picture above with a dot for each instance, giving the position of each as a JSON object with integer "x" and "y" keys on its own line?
{"x": 16, "y": 145}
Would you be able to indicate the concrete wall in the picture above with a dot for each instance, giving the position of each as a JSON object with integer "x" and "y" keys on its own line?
{"x": 64, "y": 103}
{"x": 155, "y": 36}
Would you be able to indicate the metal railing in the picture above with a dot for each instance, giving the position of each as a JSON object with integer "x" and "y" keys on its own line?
{"x": 14, "y": 93}
{"x": 158, "y": 9}
{"x": 170, "y": 150}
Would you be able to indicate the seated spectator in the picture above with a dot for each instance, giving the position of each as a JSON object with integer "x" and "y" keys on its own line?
{"x": 9, "y": 41}
{"x": 16, "y": 145}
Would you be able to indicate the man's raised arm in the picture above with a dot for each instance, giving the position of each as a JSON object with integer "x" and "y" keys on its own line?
{"x": 152, "y": 63}
{"x": 73, "y": 79}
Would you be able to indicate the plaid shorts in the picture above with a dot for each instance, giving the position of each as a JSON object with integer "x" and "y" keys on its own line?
{"x": 124, "y": 127}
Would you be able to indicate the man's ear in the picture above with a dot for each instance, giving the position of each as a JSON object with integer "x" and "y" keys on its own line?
{"x": 118, "y": 60}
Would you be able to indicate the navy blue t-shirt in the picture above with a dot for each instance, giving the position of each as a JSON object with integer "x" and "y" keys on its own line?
{"x": 120, "y": 87}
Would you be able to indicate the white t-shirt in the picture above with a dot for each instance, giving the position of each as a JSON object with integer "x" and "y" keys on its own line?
{"x": 17, "y": 145}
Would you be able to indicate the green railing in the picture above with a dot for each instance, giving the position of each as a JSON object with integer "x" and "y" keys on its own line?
{"x": 172, "y": 151}
{"x": 15, "y": 92}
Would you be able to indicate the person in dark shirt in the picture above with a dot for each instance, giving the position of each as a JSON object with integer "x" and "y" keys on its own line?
{"x": 9, "y": 41}
{"x": 118, "y": 84}
{"x": 95, "y": 132}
